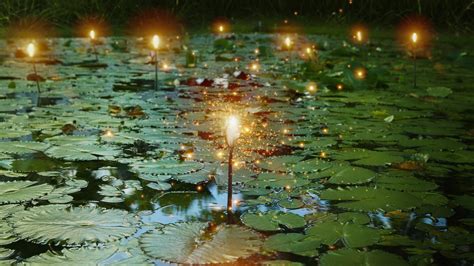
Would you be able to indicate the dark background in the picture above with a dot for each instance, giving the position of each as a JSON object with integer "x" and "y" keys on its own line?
{"x": 66, "y": 17}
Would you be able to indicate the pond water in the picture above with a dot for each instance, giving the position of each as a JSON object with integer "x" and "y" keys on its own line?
{"x": 341, "y": 160}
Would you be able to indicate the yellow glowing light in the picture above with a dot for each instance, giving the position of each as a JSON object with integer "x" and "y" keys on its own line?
{"x": 92, "y": 34}
{"x": 359, "y": 36}
{"x": 257, "y": 51}
{"x": 165, "y": 66}
{"x": 220, "y": 154}
{"x": 189, "y": 155}
{"x": 288, "y": 187}
{"x": 155, "y": 41}
{"x": 308, "y": 50}
{"x": 322, "y": 154}
{"x": 339, "y": 87}
{"x": 199, "y": 188}
{"x": 254, "y": 66}
{"x": 414, "y": 37}
{"x": 108, "y": 133}
{"x": 301, "y": 145}
{"x": 31, "y": 49}
{"x": 288, "y": 42}
{"x": 359, "y": 73}
{"x": 221, "y": 28}
{"x": 325, "y": 130}
{"x": 232, "y": 130}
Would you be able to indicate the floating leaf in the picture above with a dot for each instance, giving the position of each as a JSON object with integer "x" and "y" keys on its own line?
{"x": 352, "y": 235}
{"x": 351, "y": 257}
{"x": 195, "y": 243}
{"x": 294, "y": 243}
{"x": 272, "y": 221}
{"x": 19, "y": 191}
{"x": 352, "y": 175}
{"x": 74, "y": 226}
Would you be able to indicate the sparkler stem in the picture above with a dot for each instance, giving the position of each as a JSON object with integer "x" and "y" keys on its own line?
{"x": 156, "y": 69}
{"x": 36, "y": 78}
{"x": 95, "y": 51}
{"x": 414, "y": 66}
{"x": 229, "y": 184}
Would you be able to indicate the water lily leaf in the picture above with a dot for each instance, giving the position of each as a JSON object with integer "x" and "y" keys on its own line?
{"x": 466, "y": 201}
{"x": 196, "y": 243}
{"x": 280, "y": 262}
{"x": 159, "y": 185}
{"x": 441, "y": 92}
{"x": 311, "y": 165}
{"x": 20, "y": 191}
{"x": 405, "y": 183}
{"x": 372, "y": 199}
{"x": 165, "y": 169}
{"x": 83, "y": 152}
{"x": 272, "y": 221}
{"x": 352, "y": 235}
{"x": 272, "y": 180}
{"x": 293, "y": 243}
{"x": 73, "y": 226}
{"x": 77, "y": 257}
{"x": 352, "y": 176}
{"x": 19, "y": 147}
{"x": 279, "y": 163}
{"x": 351, "y": 257}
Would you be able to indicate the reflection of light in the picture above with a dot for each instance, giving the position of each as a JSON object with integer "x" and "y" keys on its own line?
{"x": 254, "y": 66}
{"x": 339, "y": 87}
{"x": 414, "y": 37}
{"x": 155, "y": 41}
{"x": 257, "y": 51}
{"x": 220, "y": 154}
{"x": 199, "y": 188}
{"x": 322, "y": 154}
{"x": 221, "y": 28}
{"x": 92, "y": 34}
{"x": 308, "y": 50}
{"x": 325, "y": 130}
{"x": 30, "y": 49}
{"x": 108, "y": 133}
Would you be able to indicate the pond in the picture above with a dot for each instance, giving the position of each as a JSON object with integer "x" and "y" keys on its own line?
{"x": 341, "y": 160}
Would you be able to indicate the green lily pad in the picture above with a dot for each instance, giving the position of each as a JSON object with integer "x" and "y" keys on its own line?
{"x": 351, "y": 257}
{"x": 352, "y": 176}
{"x": 196, "y": 243}
{"x": 272, "y": 221}
{"x": 352, "y": 235}
{"x": 293, "y": 243}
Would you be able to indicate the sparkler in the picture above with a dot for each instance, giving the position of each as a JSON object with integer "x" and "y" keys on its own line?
{"x": 414, "y": 39}
{"x": 92, "y": 36}
{"x": 232, "y": 134}
{"x": 31, "y": 50}
{"x": 155, "y": 41}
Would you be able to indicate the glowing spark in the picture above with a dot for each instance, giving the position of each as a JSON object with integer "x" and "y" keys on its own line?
{"x": 31, "y": 49}
{"x": 199, "y": 188}
{"x": 322, "y": 154}
{"x": 92, "y": 34}
{"x": 254, "y": 66}
{"x": 339, "y": 87}
{"x": 155, "y": 41}
{"x": 308, "y": 50}
{"x": 221, "y": 28}
{"x": 232, "y": 130}
{"x": 257, "y": 51}
{"x": 359, "y": 36}
{"x": 414, "y": 37}
{"x": 288, "y": 42}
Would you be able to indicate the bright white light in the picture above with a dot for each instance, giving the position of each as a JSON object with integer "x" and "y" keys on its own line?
{"x": 31, "y": 49}
{"x": 414, "y": 37}
{"x": 155, "y": 41}
{"x": 92, "y": 34}
{"x": 232, "y": 130}
{"x": 288, "y": 42}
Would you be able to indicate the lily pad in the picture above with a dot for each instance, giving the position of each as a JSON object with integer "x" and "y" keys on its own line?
{"x": 272, "y": 221}
{"x": 351, "y": 257}
{"x": 73, "y": 226}
{"x": 352, "y": 176}
{"x": 352, "y": 235}
{"x": 299, "y": 244}
{"x": 196, "y": 243}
